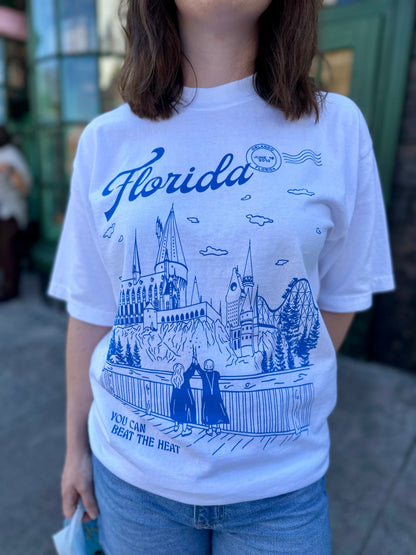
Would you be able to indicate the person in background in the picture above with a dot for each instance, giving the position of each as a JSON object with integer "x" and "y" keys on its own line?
{"x": 225, "y": 167}
{"x": 15, "y": 183}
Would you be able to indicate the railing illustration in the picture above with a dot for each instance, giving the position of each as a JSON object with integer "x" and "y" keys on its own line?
{"x": 257, "y": 411}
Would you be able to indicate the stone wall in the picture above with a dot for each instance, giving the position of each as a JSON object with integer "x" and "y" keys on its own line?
{"x": 393, "y": 337}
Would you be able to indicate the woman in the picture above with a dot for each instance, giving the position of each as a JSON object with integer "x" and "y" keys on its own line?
{"x": 267, "y": 206}
{"x": 15, "y": 182}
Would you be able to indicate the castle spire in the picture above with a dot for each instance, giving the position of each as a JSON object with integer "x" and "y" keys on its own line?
{"x": 195, "y": 293}
{"x": 248, "y": 280}
{"x": 170, "y": 247}
{"x": 136, "y": 261}
{"x": 170, "y": 261}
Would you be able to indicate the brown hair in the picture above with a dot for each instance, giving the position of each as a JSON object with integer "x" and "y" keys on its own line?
{"x": 151, "y": 79}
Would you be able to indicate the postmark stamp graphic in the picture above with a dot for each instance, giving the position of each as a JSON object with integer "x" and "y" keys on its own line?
{"x": 264, "y": 158}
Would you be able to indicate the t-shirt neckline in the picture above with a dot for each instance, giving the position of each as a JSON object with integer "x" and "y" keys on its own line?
{"x": 220, "y": 96}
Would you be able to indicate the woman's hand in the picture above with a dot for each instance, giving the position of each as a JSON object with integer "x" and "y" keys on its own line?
{"x": 77, "y": 481}
{"x": 77, "y": 478}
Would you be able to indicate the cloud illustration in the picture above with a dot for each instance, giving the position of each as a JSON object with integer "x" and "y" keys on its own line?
{"x": 259, "y": 220}
{"x": 301, "y": 192}
{"x": 193, "y": 220}
{"x": 281, "y": 262}
{"x": 247, "y": 197}
{"x": 109, "y": 232}
{"x": 214, "y": 252}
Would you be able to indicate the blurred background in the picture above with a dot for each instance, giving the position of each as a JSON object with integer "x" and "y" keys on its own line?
{"x": 59, "y": 61}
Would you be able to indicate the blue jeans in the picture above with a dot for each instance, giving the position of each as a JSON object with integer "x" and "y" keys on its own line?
{"x": 134, "y": 522}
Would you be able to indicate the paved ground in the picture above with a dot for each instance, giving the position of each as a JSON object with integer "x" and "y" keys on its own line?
{"x": 371, "y": 484}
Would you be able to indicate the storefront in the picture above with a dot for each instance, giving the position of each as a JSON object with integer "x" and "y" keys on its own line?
{"x": 74, "y": 51}
{"x": 75, "y": 48}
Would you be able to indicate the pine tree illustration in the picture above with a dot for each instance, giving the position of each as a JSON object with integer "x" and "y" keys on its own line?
{"x": 129, "y": 356}
{"x": 136, "y": 356}
{"x": 313, "y": 337}
{"x": 119, "y": 352}
{"x": 279, "y": 354}
{"x": 264, "y": 367}
{"x": 303, "y": 349}
{"x": 290, "y": 327}
{"x": 284, "y": 325}
{"x": 111, "y": 348}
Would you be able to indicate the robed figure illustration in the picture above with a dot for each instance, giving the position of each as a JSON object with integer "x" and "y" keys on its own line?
{"x": 182, "y": 402}
{"x": 213, "y": 412}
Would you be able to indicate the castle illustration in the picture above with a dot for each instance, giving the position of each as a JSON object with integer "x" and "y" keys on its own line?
{"x": 161, "y": 297}
{"x": 261, "y": 355}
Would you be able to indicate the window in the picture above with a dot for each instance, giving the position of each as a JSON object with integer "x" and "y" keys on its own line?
{"x": 78, "y": 26}
{"x": 44, "y": 36}
{"x": 80, "y": 99}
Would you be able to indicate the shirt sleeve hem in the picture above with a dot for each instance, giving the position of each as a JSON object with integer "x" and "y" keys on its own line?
{"x": 346, "y": 304}
{"x": 356, "y": 303}
{"x": 81, "y": 311}
{"x": 383, "y": 284}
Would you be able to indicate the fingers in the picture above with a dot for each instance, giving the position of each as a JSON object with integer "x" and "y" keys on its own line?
{"x": 90, "y": 505}
{"x": 69, "y": 502}
{"x": 77, "y": 482}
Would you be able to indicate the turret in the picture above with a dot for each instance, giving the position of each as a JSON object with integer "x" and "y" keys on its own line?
{"x": 136, "y": 271}
{"x": 248, "y": 280}
{"x": 233, "y": 298}
{"x": 170, "y": 259}
{"x": 195, "y": 298}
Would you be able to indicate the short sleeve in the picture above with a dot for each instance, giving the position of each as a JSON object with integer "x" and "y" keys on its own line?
{"x": 79, "y": 276}
{"x": 357, "y": 263}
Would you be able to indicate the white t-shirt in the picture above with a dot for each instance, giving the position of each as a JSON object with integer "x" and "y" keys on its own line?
{"x": 208, "y": 242}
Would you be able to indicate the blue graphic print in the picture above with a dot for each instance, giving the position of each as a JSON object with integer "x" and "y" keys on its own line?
{"x": 213, "y": 410}
{"x": 159, "y": 325}
{"x": 214, "y": 252}
{"x": 258, "y": 220}
{"x": 182, "y": 402}
{"x": 264, "y": 158}
{"x": 301, "y": 192}
{"x": 302, "y": 157}
{"x": 109, "y": 231}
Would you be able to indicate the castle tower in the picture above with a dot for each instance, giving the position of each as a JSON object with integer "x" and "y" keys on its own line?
{"x": 246, "y": 327}
{"x": 136, "y": 261}
{"x": 150, "y": 317}
{"x": 171, "y": 261}
{"x": 233, "y": 300}
{"x": 255, "y": 321}
{"x": 195, "y": 298}
{"x": 248, "y": 280}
